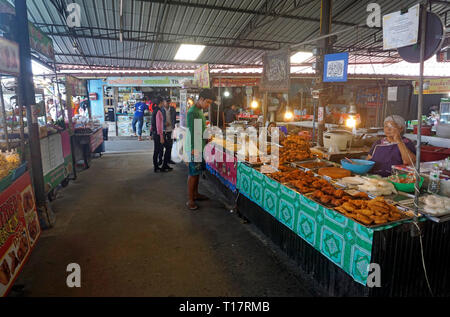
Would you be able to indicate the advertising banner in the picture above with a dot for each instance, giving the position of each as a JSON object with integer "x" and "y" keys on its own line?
{"x": 39, "y": 41}
{"x": 9, "y": 57}
{"x": 157, "y": 81}
{"x": 236, "y": 82}
{"x": 201, "y": 77}
{"x": 433, "y": 86}
{"x": 19, "y": 229}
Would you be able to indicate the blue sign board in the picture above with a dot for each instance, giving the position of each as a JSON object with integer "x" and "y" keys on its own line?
{"x": 335, "y": 67}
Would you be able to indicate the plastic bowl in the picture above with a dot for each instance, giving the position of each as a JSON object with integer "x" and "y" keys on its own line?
{"x": 361, "y": 166}
{"x": 407, "y": 188}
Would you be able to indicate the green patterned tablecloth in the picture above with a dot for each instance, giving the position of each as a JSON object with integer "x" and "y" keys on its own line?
{"x": 342, "y": 240}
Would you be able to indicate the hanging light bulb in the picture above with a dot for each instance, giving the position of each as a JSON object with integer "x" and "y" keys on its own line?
{"x": 254, "y": 104}
{"x": 288, "y": 115}
{"x": 226, "y": 93}
{"x": 350, "y": 122}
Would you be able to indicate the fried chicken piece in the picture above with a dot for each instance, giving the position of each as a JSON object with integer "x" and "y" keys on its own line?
{"x": 346, "y": 198}
{"x": 365, "y": 220}
{"x": 325, "y": 199}
{"x": 349, "y": 206}
{"x": 365, "y": 212}
{"x": 317, "y": 194}
{"x": 328, "y": 190}
{"x": 336, "y": 202}
{"x": 361, "y": 195}
{"x": 339, "y": 193}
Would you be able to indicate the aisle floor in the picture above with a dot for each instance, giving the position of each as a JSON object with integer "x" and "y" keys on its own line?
{"x": 130, "y": 232}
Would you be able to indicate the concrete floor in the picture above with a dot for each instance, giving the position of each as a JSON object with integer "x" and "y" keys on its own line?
{"x": 130, "y": 232}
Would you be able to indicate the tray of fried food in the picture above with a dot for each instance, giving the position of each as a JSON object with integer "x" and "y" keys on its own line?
{"x": 314, "y": 164}
{"x": 287, "y": 173}
{"x": 328, "y": 195}
{"x": 372, "y": 213}
{"x": 294, "y": 149}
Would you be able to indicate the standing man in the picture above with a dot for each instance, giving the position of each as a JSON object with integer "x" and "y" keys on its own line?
{"x": 158, "y": 134}
{"x": 231, "y": 114}
{"x": 170, "y": 117}
{"x": 139, "y": 109}
{"x": 195, "y": 145}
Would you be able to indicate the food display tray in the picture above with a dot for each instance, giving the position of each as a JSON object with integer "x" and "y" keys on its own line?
{"x": 409, "y": 205}
{"x": 316, "y": 160}
{"x": 404, "y": 210}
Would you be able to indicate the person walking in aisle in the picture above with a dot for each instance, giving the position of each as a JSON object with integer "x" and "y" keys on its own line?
{"x": 170, "y": 117}
{"x": 194, "y": 137}
{"x": 158, "y": 133}
{"x": 139, "y": 109}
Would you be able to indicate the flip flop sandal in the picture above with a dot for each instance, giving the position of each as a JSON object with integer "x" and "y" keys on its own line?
{"x": 191, "y": 208}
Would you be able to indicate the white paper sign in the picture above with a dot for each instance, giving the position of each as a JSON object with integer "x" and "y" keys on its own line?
{"x": 392, "y": 93}
{"x": 401, "y": 30}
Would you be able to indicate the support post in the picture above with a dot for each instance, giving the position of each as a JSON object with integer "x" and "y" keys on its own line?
{"x": 423, "y": 29}
{"x": 324, "y": 46}
{"x": 26, "y": 89}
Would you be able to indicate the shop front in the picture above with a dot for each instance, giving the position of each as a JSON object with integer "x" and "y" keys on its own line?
{"x": 117, "y": 96}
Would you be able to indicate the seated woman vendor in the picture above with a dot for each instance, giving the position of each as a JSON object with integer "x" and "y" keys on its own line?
{"x": 394, "y": 149}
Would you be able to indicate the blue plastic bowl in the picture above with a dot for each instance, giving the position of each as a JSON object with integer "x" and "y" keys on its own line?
{"x": 362, "y": 166}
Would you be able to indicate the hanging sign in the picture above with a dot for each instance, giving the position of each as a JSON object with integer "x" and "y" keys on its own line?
{"x": 276, "y": 71}
{"x": 433, "y": 86}
{"x": 9, "y": 57}
{"x": 392, "y": 93}
{"x": 335, "y": 67}
{"x": 236, "y": 82}
{"x": 40, "y": 42}
{"x": 156, "y": 81}
{"x": 201, "y": 77}
{"x": 401, "y": 30}
{"x": 75, "y": 86}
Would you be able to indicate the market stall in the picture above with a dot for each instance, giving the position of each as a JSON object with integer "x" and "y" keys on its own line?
{"x": 19, "y": 222}
{"x": 335, "y": 228}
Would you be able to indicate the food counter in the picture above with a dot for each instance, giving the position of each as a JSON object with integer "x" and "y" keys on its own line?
{"x": 335, "y": 238}
{"x": 222, "y": 163}
{"x": 87, "y": 141}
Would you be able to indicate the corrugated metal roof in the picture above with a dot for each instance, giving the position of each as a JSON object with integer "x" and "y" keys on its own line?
{"x": 236, "y": 32}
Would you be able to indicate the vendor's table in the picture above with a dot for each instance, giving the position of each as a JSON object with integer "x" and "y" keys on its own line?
{"x": 336, "y": 251}
{"x": 87, "y": 143}
{"x": 355, "y": 153}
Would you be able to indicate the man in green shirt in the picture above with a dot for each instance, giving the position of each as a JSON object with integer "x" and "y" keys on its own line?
{"x": 196, "y": 124}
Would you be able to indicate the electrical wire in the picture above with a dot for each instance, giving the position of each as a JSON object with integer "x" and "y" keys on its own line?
{"x": 423, "y": 259}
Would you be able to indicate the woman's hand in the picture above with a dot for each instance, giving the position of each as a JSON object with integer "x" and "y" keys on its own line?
{"x": 397, "y": 136}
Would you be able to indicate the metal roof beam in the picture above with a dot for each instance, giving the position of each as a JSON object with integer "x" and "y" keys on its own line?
{"x": 52, "y": 30}
{"x": 158, "y": 60}
{"x": 171, "y": 42}
{"x": 244, "y": 11}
